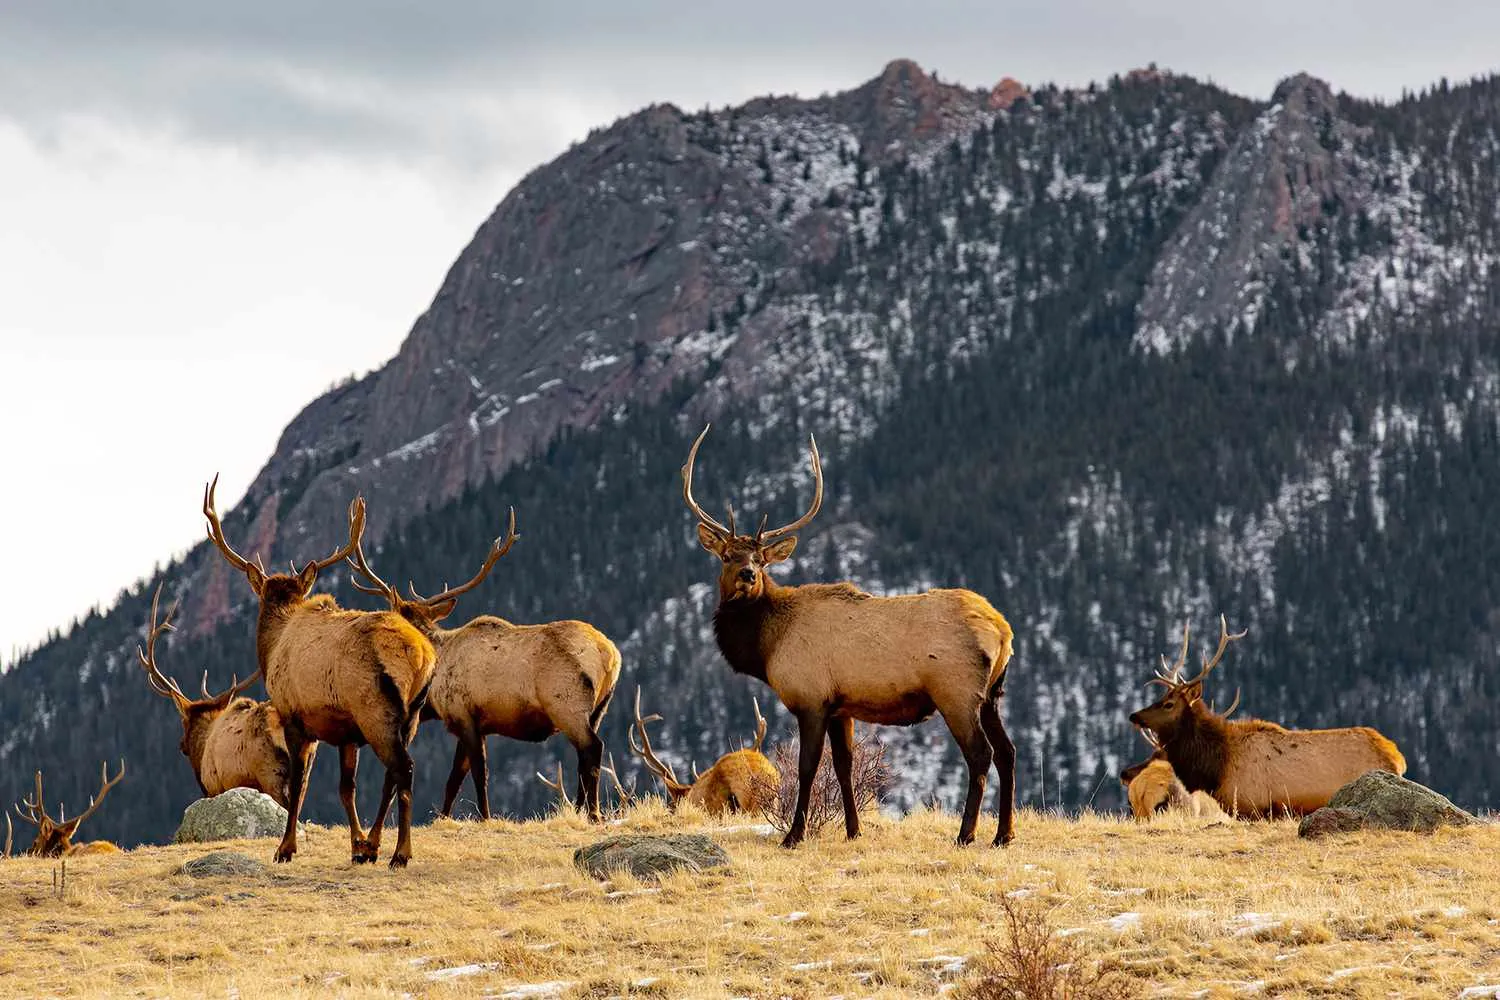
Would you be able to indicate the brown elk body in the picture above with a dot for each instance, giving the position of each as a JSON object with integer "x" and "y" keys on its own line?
{"x": 231, "y": 742}
{"x": 834, "y": 654}
{"x": 347, "y": 678}
{"x": 1251, "y": 767}
{"x": 741, "y": 780}
{"x": 497, "y": 678}
{"x": 54, "y": 837}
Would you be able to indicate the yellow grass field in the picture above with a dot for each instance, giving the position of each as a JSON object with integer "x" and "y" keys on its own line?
{"x": 497, "y": 909}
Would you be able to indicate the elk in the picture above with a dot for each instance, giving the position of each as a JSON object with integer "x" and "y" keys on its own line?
{"x": 1152, "y": 786}
{"x": 54, "y": 837}
{"x": 231, "y": 742}
{"x": 744, "y": 779}
{"x": 495, "y": 677}
{"x": 834, "y": 654}
{"x": 346, "y": 678}
{"x": 1251, "y": 767}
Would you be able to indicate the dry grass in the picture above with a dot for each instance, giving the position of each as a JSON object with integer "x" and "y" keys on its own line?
{"x": 1176, "y": 907}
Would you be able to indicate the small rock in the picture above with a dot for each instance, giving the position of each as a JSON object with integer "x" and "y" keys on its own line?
{"x": 236, "y": 814}
{"x": 648, "y": 857}
{"x": 222, "y": 863}
{"x": 1382, "y": 800}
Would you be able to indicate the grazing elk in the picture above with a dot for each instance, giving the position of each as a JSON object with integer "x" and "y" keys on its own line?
{"x": 744, "y": 779}
{"x": 341, "y": 677}
{"x": 231, "y": 742}
{"x": 54, "y": 837}
{"x": 834, "y": 654}
{"x": 498, "y": 678}
{"x": 1251, "y": 767}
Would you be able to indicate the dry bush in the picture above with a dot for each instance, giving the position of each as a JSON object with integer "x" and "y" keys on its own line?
{"x": 1033, "y": 963}
{"x": 872, "y": 775}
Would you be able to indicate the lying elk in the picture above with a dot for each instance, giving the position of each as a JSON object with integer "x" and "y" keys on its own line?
{"x": 54, "y": 837}
{"x": 744, "y": 779}
{"x": 1152, "y": 787}
{"x": 834, "y": 654}
{"x": 231, "y": 742}
{"x": 341, "y": 677}
{"x": 1251, "y": 767}
{"x": 498, "y": 678}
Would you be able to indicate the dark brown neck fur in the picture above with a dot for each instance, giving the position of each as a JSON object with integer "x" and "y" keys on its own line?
{"x": 1197, "y": 747}
{"x": 740, "y": 626}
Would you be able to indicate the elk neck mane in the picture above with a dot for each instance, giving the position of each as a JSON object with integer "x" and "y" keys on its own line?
{"x": 1198, "y": 748}
{"x": 747, "y": 628}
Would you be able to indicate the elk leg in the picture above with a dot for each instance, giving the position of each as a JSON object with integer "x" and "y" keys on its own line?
{"x": 811, "y": 726}
{"x": 398, "y": 774}
{"x": 978, "y": 756}
{"x": 590, "y": 757}
{"x": 302, "y": 750}
{"x": 1005, "y": 764}
{"x": 841, "y": 745}
{"x": 359, "y": 847}
{"x": 387, "y": 796}
{"x": 479, "y": 763}
{"x": 456, "y": 776}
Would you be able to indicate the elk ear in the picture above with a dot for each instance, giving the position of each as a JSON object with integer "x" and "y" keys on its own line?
{"x": 437, "y": 612}
{"x": 307, "y": 578}
{"x": 1132, "y": 772}
{"x": 711, "y": 540}
{"x": 257, "y": 579}
{"x": 1193, "y": 692}
{"x": 779, "y": 552}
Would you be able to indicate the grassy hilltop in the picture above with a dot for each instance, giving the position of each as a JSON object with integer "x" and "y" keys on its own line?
{"x": 1177, "y": 908}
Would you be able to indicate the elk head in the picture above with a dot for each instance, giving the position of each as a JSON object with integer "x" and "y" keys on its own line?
{"x": 280, "y": 589}
{"x": 746, "y": 557}
{"x": 425, "y": 612}
{"x": 55, "y": 837}
{"x": 1183, "y": 696}
{"x": 194, "y": 713}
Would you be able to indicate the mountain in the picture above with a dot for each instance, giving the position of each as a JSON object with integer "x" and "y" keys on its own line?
{"x": 1120, "y": 358}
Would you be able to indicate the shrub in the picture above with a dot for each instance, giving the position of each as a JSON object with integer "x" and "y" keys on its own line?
{"x": 872, "y": 775}
{"x": 1033, "y": 963}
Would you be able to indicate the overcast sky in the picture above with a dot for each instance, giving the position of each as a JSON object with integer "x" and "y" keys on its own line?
{"x": 210, "y": 212}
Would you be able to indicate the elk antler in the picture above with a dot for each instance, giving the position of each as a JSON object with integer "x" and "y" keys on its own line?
{"x": 703, "y": 516}
{"x": 1225, "y": 638}
{"x": 653, "y": 763}
{"x": 760, "y": 727}
{"x": 161, "y": 684}
{"x": 216, "y": 529}
{"x": 764, "y": 537}
{"x": 8, "y": 835}
{"x": 378, "y": 587}
{"x": 105, "y": 784}
{"x": 497, "y": 550}
{"x": 35, "y": 809}
{"x": 1169, "y": 676}
{"x": 557, "y": 786}
{"x": 1232, "y": 705}
{"x": 356, "y": 532}
{"x": 626, "y": 799}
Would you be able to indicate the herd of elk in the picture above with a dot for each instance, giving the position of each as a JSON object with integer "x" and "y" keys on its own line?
{"x": 231, "y": 742}
{"x": 54, "y": 837}
{"x": 741, "y": 780}
{"x": 494, "y": 677}
{"x": 346, "y": 678}
{"x": 834, "y": 654}
{"x": 1251, "y": 767}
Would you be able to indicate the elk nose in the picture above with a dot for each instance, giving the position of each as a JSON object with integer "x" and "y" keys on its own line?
{"x": 1135, "y": 718}
{"x": 747, "y": 575}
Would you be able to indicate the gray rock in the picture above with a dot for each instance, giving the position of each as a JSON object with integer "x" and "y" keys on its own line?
{"x": 222, "y": 863}
{"x": 648, "y": 857}
{"x": 1382, "y": 800}
{"x": 238, "y": 813}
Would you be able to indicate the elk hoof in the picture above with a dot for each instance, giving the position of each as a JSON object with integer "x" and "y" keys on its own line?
{"x": 964, "y": 839}
{"x": 284, "y": 854}
{"x": 364, "y": 853}
{"x": 1004, "y": 839}
{"x": 790, "y": 841}
{"x": 399, "y": 860}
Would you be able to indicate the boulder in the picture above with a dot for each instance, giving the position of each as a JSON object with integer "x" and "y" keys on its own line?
{"x": 1384, "y": 801}
{"x": 221, "y": 863}
{"x": 648, "y": 857}
{"x": 236, "y": 814}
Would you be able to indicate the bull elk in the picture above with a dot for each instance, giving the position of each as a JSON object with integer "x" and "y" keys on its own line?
{"x": 54, "y": 837}
{"x": 1251, "y": 767}
{"x": 744, "y": 779}
{"x": 1154, "y": 788}
{"x": 346, "y": 678}
{"x": 231, "y": 742}
{"x": 495, "y": 677}
{"x": 834, "y": 654}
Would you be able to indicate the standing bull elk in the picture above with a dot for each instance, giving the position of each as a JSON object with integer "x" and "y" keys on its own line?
{"x": 494, "y": 677}
{"x": 341, "y": 677}
{"x": 231, "y": 742}
{"x": 834, "y": 654}
{"x": 1252, "y": 767}
{"x": 54, "y": 837}
{"x": 744, "y": 779}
